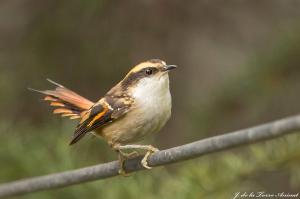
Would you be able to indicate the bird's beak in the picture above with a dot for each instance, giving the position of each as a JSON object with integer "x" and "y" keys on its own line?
{"x": 169, "y": 67}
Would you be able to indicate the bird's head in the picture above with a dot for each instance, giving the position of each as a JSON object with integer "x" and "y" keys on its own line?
{"x": 151, "y": 73}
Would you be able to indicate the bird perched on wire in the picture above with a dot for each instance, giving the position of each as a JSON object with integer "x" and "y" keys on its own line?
{"x": 138, "y": 105}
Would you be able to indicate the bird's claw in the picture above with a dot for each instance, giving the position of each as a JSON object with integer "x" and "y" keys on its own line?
{"x": 124, "y": 156}
{"x": 144, "y": 161}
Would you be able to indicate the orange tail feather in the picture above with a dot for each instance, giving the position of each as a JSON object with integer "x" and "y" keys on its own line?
{"x": 66, "y": 102}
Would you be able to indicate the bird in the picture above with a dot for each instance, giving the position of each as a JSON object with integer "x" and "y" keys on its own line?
{"x": 139, "y": 105}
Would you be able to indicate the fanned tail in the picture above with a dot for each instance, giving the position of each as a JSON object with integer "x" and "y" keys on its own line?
{"x": 66, "y": 102}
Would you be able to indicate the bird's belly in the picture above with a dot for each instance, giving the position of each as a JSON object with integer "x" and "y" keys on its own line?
{"x": 143, "y": 120}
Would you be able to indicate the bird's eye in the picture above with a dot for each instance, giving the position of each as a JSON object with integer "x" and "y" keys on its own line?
{"x": 149, "y": 71}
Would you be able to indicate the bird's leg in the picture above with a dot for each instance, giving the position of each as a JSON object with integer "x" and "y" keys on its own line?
{"x": 150, "y": 150}
{"x": 121, "y": 165}
{"x": 123, "y": 156}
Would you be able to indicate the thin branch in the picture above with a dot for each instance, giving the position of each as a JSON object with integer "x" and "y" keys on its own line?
{"x": 168, "y": 156}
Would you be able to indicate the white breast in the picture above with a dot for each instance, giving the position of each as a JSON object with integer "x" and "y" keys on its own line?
{"x": 153, "y": 99}
{"x": 152, "y": 109}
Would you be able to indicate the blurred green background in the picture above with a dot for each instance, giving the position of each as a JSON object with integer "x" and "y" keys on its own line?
{"x": 238, "y": 67}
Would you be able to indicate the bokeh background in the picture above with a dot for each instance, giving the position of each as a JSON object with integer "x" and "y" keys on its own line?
{"x": 239, "y": 65}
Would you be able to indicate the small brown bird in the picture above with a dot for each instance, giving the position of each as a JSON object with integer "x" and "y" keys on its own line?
{"x": 137, "y": 106}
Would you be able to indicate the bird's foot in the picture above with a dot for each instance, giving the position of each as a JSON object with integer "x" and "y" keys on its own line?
{"x": 122, "y": 158}
{"x": 144, "y": 161}
{"x": 150, "y": 150}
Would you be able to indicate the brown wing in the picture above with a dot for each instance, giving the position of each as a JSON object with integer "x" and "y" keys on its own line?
{"x": 104, "y": 111}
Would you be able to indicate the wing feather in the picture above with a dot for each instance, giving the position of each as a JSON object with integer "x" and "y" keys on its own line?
{"x": 97, "y": 116}
{"x": 103, "y": 112}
